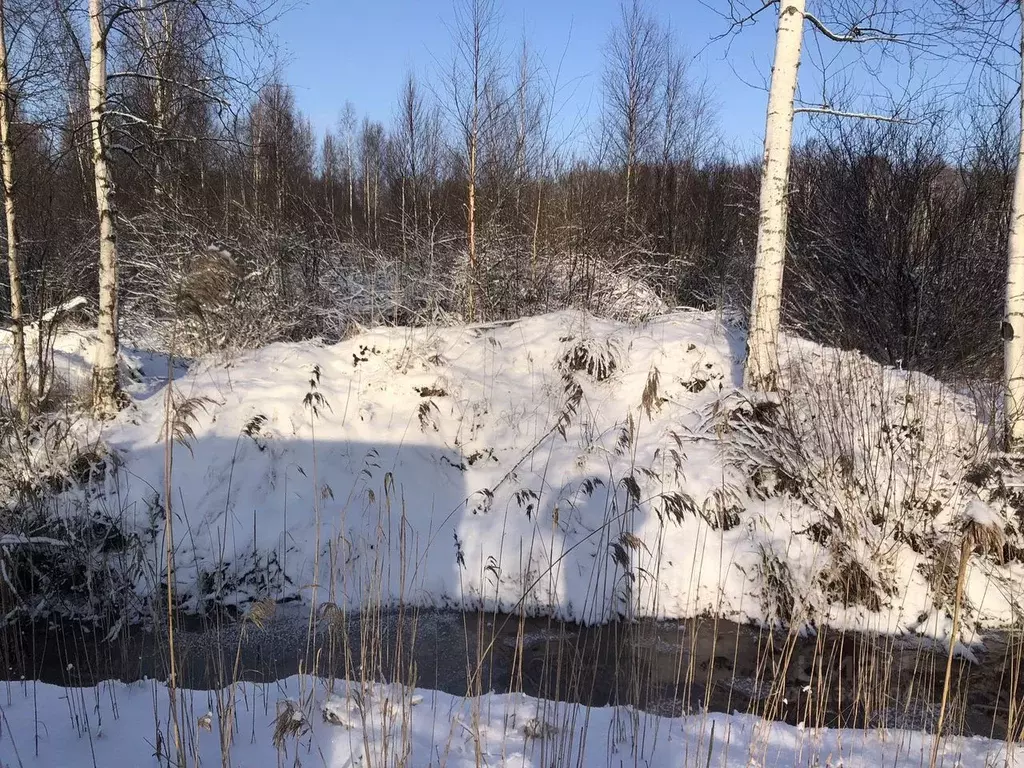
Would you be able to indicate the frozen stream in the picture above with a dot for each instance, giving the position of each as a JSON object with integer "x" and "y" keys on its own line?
{"x": 663, "y": 667}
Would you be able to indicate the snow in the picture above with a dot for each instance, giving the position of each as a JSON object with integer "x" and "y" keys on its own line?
{"x": 119, "y": 725}
{"x": 15, "y": 540}
{"x": 982, "y": 514}
{"x": 566, "y": 465}
{"x": 71, "y": 305}
{"x": 560, "y": 464}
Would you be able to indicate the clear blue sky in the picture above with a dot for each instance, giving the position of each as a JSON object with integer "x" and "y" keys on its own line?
{"x": 360, "y": 50}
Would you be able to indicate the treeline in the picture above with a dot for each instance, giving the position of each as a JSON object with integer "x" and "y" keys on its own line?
{"x": 470, "y": 203}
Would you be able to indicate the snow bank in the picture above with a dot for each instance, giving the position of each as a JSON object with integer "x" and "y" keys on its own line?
{"x": 564, "y": 465}
{"x": 304, "y": 721}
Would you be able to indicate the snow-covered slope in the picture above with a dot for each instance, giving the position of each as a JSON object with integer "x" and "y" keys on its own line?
{"x": 302, "y": 721}
{"x": 567, "y": 465}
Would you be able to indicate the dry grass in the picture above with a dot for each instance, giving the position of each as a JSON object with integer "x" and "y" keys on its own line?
{"x": 819, "y": 679}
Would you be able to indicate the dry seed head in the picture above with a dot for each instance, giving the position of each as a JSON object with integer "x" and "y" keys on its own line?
{"x": 982, "y": 529}
{"x": 984, "y": 538}
{"x": 332, "y": 614}
{"x": 650, "y": 401}
{"x": 261, "y": 611}
{"x": 290, "y": 721}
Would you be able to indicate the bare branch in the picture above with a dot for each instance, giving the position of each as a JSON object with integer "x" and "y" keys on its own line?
{"x": 826, "y": 110}
{"x": 856, "y": 35}
{"x": 172, "y": 81}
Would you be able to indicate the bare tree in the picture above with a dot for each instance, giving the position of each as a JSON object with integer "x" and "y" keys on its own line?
{"x": 371, "y": 151}
{"x": 475, "y": 72}
{"x": 533, "y": 129}
{"x": 687, "y": 133}
{"x": 330, "y": 167}
{"x": 412, "y": 112}
{"x": 634, "y": 63}
{"x": 282, "y": 146}
{"x": 347, "y": 134}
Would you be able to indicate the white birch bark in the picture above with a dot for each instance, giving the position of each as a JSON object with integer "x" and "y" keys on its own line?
{"x": 1013, "y": 322}
{"x": 21, "y": 393}
{"x": 105, "y": 384}
{"x": 761, "y": 371}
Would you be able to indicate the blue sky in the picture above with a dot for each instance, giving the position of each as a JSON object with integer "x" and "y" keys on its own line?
{"x": 360, "y": 50}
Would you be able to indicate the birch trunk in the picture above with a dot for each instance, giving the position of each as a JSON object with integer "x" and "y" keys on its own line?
{"x": 21, "y": 393}
{"x": 105, "y": 385}
{"x": 761, "y": 372}
{"x": 1013, "y": 323}
{"x": 471, "y": 229}
{"x": 350, "y": 172}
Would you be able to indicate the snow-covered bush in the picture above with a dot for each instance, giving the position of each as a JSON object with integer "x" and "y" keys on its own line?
{"x": 880, "y": 461}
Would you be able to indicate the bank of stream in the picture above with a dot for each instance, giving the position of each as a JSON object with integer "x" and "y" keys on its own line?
{"x": 664, "y": 667}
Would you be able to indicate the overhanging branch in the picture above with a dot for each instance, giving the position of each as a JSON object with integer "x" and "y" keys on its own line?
{"x": 825, "y": 110}
{"x": 856, "y": 35}
{"x": 171, "y": 81}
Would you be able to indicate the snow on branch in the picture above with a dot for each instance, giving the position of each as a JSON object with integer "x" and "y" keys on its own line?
{"x": 171, "y": 81}
{"x": 856, "y": 34}
{"x": 826, "y": 110}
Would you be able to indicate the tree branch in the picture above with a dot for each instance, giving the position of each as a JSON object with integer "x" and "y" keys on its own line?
{"x": 171, "y": 81}
{"x": 753, "y": 14}
{"x": 826, "y": 110}
{"x": 856, "y": 35}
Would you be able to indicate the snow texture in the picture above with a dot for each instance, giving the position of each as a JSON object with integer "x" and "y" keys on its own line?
{"x": 118, "y": 725}
{"x": 560, "y": 464}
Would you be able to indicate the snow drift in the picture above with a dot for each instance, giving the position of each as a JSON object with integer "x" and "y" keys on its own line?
{"x": 302, "y": 720}
{"x": 564, "y": 465}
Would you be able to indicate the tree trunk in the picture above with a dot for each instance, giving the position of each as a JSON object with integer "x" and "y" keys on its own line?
{"x": 376, "y": 205}
{"x": 471, "y": 230}
{"x": 1013, "y": 323}
{"x": 350, "y": 172}
{"x": 404, "y": 228}
{"x": 629, "y": 185}
{"x": 159, "y": 109}
{"x": 536, "y": 230}
{"x": 21, "y": 393}
{"x": 761, "y": 372}
{"x": 105, "y": 385}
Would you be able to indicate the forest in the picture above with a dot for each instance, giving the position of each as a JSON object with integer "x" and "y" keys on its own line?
{"x": 469, "y": 205}
{"x": 502, "y": 433}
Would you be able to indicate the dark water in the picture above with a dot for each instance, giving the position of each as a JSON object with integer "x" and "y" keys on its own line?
{"x": 662, "y": 667}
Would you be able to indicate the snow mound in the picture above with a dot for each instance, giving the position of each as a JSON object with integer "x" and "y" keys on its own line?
{"x": 566, "y": 465}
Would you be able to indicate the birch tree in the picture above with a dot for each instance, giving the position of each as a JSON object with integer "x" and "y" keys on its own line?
{"x": 634, "y": 63}
{"x": 761, "y": 369}
{"x": 984, "y": 31}
{"x": 21, "y": 388}
{"x": 474, "y": 73}
{"x": 105, "y": 382}
{"x": 157, "y": 70}
{"x": 1013, "y": 323}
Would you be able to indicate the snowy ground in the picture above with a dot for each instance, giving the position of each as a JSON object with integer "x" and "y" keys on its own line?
{"x": 560, "y": 464}
{"x": 119, "y": 726}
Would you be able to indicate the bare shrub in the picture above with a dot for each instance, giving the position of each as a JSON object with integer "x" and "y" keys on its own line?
{"x": 879, "y": 459}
